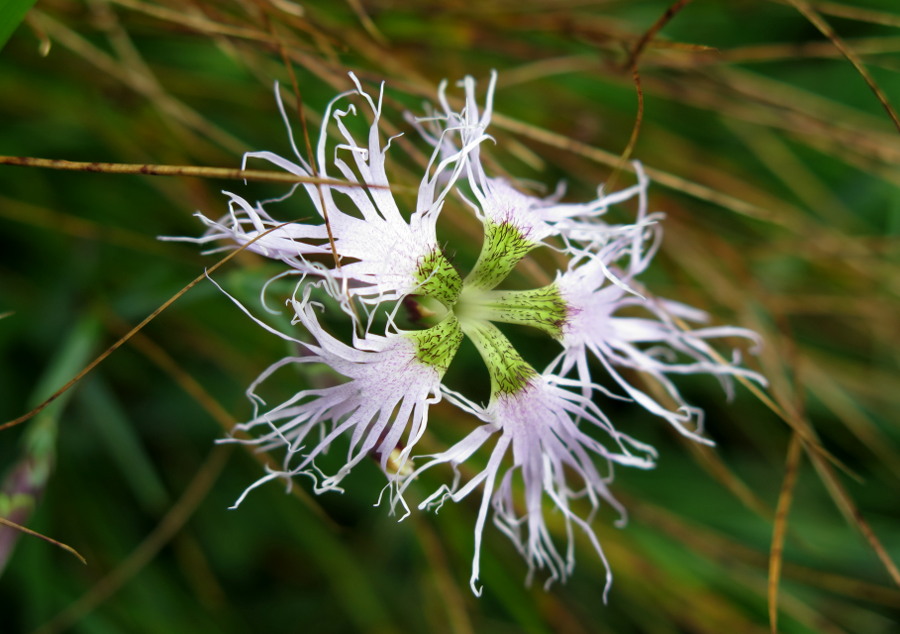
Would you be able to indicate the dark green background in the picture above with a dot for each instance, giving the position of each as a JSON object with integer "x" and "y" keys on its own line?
{"x": 798, "y": 240}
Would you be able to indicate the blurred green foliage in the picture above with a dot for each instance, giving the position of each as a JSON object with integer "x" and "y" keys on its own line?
{"x": 12, "y": 12}
{"x": 778, "y": 170}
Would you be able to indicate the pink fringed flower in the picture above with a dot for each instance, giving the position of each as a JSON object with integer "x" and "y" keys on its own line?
{"x": 553, "y": 448}
{"x": 556, "y": 460}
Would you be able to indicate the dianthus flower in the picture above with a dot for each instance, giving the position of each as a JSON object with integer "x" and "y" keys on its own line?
{"x": 547, "y": 426}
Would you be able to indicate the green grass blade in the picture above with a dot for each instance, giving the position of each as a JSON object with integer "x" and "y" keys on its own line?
{"x": 12, "y": 12}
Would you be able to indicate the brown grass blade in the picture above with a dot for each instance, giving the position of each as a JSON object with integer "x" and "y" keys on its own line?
{"x": 779, "y": 529}
{"x": 200, "y": 129}
{"x": 797, "y": 423}
{"x": 28, "y": 531}
{"x": 195, "y": 390}
{"x": 672, "y": 181}
{"x": 712, "y": 462}
{"x": 727, "y": 550}
{"x": 819, "y": 22}
{"x": 835, "y": 397}
{"x": 441, "y": 572}
{"x": 632, "y": 65}
{"x": 845, "y": 504}
{"x": 197, "y": 23}
{"x": 69, "y": 224}
{"x": 859, "y": 14}
{"x": 124, "y": 339}
{"x": 367, "y": 22}
{"x": 227, "y": 173}
{"x": 167, "y": 528}
{"x": 650, "y": 33}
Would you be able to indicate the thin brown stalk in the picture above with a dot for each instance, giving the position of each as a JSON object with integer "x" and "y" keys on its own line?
{"x": 657, "y": 26}
{"x": 712, "y": 462}
{"x": 779, "y": 51}
{"x": 661, "y": 177}
{"x": 140, "y": 84}
{"x": 779, "y": 529}
{"x": 194, "y": 22}
{"x": 819, "y": 22}
{"x": 301, "y": 115}
{"x": 125, "y": 338}
{"x": 845, "y": 504}
{"x": 453, "y": 602}
{"x": 185, "y": 381}
{"x": 795, "y": 422}
{"x": 635, "y": 129}
{"x": 632, "y": 65}
{"x": 70, "y": 224}
{"x": 195, "y": 390}
{"x": 367, "y": 22}
{"x": 833, "y": 395}
{"x": 859, "y": 14}
{"x": 727, "y": 550}
{"x": 167, "y": 528}
{"x": 310, "y": 157}
{"x": 28, "y": 531}
{"x": 173, "y": 170}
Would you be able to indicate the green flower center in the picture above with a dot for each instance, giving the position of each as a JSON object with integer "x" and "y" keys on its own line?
{"x": 472, "y": 304}
{"x": 438, "y": 279}
{"x": 436, "y": 346}
{"x": 504, "y": 246}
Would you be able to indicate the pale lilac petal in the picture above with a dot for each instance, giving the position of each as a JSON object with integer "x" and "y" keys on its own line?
{"x": 382, "y": 405}
{"x": 652, "y": 344}
{"x": 548, "y": 451}
{"x": 497, "y": 200}
{"x": 380, "y": 250}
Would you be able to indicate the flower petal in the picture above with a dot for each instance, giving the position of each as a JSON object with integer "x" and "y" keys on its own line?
{"x": 382, "y": 406}
{"x": 549, "y": 451}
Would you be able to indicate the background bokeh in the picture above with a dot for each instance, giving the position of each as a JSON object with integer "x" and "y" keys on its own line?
{"x": 777, "y": 168}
